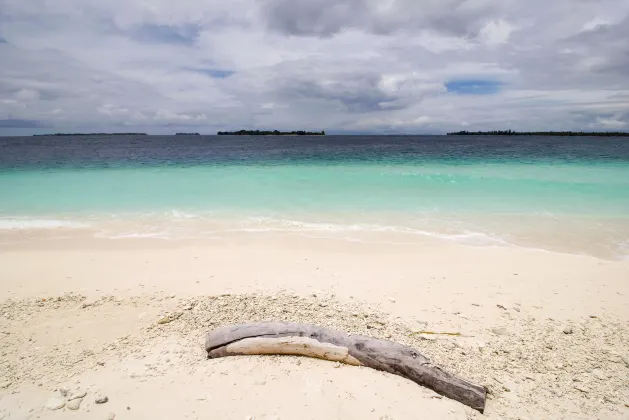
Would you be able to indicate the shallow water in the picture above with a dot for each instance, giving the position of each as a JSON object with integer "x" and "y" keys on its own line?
{"x": 568, "y": 194}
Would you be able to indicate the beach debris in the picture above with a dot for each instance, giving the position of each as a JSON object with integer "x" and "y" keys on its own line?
{"x": 64, "y": 392}
{"x": 111, "y": 416}
{"x": 500, "y": 331}
{"x": 74, "y": 404}
{"x": 453, "y": 334}
{"x": 313, "y": 341}
{"x": 101, "y": 399}
{"x": 502, "y": 307}
{"x": 55, "y": 403}
{"x": 391, "y": 299}
{"x": 5, "y": 384}
{"x": 417, "y": 326}
{"x": 169, "y": 318}
{"x": 568, "y": 330}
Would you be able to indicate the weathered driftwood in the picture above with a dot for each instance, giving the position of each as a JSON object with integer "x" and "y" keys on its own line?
{"x": 323, "y": 343}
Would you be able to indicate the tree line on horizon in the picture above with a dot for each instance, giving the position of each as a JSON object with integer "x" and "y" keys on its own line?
{"x": 539, "y": 133}
{"x": 270, "y": 133}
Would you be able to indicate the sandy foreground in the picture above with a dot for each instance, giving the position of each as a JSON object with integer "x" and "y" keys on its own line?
{"x": 547, "y": 333}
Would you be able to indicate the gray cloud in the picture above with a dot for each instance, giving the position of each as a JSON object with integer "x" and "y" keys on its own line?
{"x": 328, "y": 17}
{"x": 11, "y": 123}
{"x": 344, "y": 65}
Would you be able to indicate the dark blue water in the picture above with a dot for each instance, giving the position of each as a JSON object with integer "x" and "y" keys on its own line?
{"x": 116, "y": 151}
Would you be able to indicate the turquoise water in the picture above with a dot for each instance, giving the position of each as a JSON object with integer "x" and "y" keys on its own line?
{"x": 488, "y": 188}
{"x": 545, "y": 192}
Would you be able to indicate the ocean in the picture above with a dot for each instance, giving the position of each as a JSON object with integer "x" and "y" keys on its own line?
{"x": 561, "y": 194}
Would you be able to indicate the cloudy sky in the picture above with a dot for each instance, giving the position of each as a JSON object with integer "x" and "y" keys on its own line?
{"x": 356, "y": 66}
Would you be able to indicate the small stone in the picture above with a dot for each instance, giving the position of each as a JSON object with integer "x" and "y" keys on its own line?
{"x": 6, "y": 384}
{"x": 55, "y": 404}
{"x": 64, "y": 392}
{"x": 100, "y": 363}
{"x": 500, "y": 331}
{"x": 111, "y": 416}
{"x": 337, "y": 365}
{"x": 74, "y": 404}
{"x": 568, "y": 330}
{"x": 516, "y": 309}
{"x": 392, "y": 300}
{"x": 417, "y": 326}
{"x": 101, "y": 399}
{"x": 502, "y": 307}
{"x": 429, "y": 337}
{"x": 78, "y": 394}
{"x": 593, "y": 316}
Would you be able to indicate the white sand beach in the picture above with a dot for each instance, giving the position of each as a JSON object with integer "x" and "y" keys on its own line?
{"x": 546, "y": 333}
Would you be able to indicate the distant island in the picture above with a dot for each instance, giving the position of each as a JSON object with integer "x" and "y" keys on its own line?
{"x": 187, "y": 134}
{"x": 270, "y": 133}
{"x": 539, "y": 133}
{"x": 92, "y": 134}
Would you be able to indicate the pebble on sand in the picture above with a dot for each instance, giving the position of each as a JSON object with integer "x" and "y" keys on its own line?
{"x": 101, "y": 399}
{"x": 500, "y": 331}
{"x": 111, "y": 416}
{"x": 4, "y": 385}
{"x": 78, "y": 394}
{"x": 74, "y": 404}
{"x": 568, "y": 330}
{"x": 55, "y": 403}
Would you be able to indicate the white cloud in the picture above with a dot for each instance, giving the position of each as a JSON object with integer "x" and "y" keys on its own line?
{"x": 496, "y": 32}
{"x": 27, "y": 95}
{"x": 363, "y": 65}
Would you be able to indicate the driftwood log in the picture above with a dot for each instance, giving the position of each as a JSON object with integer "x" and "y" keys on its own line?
{"x": 323, "y": 343}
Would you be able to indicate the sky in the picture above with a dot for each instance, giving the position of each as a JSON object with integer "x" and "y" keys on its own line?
{"x": 344, "y": 66}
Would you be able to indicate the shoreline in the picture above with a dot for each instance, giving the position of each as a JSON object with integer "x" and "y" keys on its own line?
{"x": 606, "y": 238}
